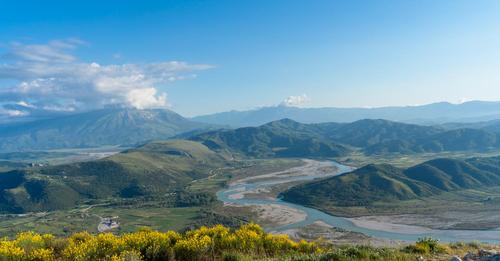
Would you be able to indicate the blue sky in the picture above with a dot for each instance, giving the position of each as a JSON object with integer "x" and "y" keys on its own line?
{"x": 245, "y": 54}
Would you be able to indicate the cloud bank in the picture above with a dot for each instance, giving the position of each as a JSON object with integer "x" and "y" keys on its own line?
{"x": 296, "y": 101}
{"x": 47, "y": 76}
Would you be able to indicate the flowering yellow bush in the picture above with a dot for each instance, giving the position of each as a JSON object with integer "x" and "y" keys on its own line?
{"x": 9, "y": 251}
{"x": 205, "y": 243}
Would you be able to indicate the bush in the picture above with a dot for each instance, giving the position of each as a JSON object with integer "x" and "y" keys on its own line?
{"x": 426, "y": 245}
{"x": 205, "y": 243}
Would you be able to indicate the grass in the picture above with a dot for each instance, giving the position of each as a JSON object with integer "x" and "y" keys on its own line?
{"x": 209, "y": 184}
{"x": 151, "y": 214}
{"x": 130, "y": 218}
{"x": 154, "y": 169}
{"x": 258, "y": 167}
{"x": 358, "y": 159}
{"x": 219, "y": 177}
{"x": 61, "y": 156}
{"x": 161, "y": 219}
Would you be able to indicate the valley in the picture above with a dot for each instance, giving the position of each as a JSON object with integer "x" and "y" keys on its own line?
{"x": 283, "y": 175}
{"x": 282, "y": 217}
{"x": 250, "y": 130}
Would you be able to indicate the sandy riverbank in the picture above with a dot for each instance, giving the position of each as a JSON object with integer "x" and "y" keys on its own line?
{"x": 383, "y": 223}
{"x": 336, "y": 236}
{"x": 279, "y": 215}
{"x": 276, "y": 214}
{"x": 311, "y": 167}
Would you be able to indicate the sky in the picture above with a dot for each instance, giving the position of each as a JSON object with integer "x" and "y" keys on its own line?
{"x": 200, "y": 57}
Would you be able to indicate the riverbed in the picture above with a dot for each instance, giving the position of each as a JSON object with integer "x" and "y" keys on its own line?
{"x": 300, "y": 216}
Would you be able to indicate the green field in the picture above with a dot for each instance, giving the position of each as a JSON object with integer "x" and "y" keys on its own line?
{"x": 358, "y": 159}
{"x": 130, "y": 219}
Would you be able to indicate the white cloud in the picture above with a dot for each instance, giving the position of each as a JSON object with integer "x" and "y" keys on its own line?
{"x": 296, "y": 101}
{"x": 143, "y": 98}
{"x": 53, "y": 51}
{"x": 50, "y": 77}
{"x": 13, "y": 113}
{"x": 25, "y": 104}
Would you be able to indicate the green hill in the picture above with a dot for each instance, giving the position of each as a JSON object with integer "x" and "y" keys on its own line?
{"x": 362, "y": 187}
{"x": 384, "y": 183}
{"x": 364, "y": 133}
{"x": 153, "y": 169}
{"x": 287, "y": 138}
{"x": 393, "y": 146}
{"x": 450, "y": 174}
{"x": 380, "y": 137}
{"x": 284, "y": 138}
{"x": 460, "y": 140}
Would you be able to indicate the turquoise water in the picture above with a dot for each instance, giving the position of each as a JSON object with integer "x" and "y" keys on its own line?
{"x": 313, "y": 215}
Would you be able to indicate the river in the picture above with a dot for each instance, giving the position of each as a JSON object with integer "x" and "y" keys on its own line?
{"x": 227, "y": 195}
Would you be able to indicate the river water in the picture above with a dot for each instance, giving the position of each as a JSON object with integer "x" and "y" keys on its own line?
{"x": 313, "y": 215}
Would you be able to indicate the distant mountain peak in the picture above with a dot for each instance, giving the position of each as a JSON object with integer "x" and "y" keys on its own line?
{"x": 431, "y": 113}
{"x": 108, "y": 126}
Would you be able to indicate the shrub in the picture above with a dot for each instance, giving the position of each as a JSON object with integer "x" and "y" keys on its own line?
{"x": 426, "y": 245}
{"x": 205, "y": 243}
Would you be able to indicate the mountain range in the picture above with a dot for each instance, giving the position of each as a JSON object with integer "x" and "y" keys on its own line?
{"x": 429, "y": 114}
{"x": 288, "y": 138}
{"x": 281, "y": 138}
{"x": 113, "y": 126}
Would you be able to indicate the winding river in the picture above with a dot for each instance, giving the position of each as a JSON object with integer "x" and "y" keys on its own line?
{"x": 227, "y": 195}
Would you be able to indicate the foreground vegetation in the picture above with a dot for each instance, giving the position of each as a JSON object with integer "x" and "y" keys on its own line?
{"x": 249, "y": 242}
{"x": 213, "y": 243}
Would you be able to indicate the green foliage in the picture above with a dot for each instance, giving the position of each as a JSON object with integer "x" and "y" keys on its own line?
{"x": 156, "y": 168}
{"x": 365, "y": 133}
{"x": 232, "y": 256}
{"x": 283, "y": 138}
{"x": 382, "y": 183}
{"x": 287, "y": 138}
{"x": 214, "y": 243}
{"x": 354, "y": 253}
{"x": 362, "y": 187}
{"x": 426, "y": 245}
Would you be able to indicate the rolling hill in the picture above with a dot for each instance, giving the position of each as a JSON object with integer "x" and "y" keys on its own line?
{"x": 152, "y": 169}
{"x": 491, "y": 125}
{"x": 362, "y": 187}
{"x": 384, "y": 183}
{"x": 283, "y": 138}
{"x": 114, "y": 126}
{"x": 288, "y": 138}
{"x": 451, "y": 140}
{"x": 368, "y": 132}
